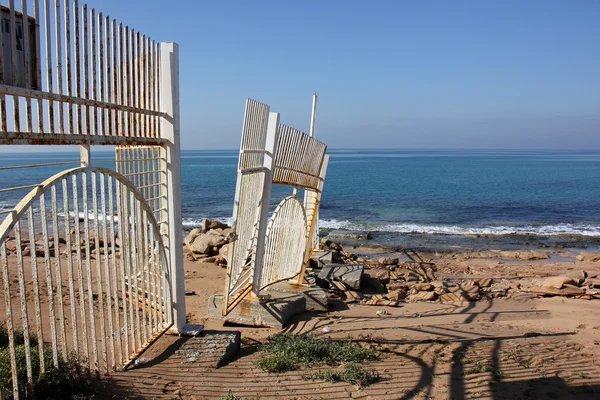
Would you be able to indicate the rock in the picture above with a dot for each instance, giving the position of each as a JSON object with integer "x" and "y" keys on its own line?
{"x": 422, "y": 287}
{"x": 224, "y": 251}
{"x": 557, "y": 282}
{"x": 471, "y": 292}
{"x": 457, "y": 299}
{"x": 411, "y": 277}
{"x": 388, "y": 261}
{"x": 485, "y": 282}
{"x": 588, "y": 257}
{"x": 208, "y": 224}
{"x": 194, "y": 233}
{"x": 11, "y": 245}
{"x": 382, "y": 302}
{"x": 398, "y": 294}
{"x": 371, "y": 284}
{"x": 204, "y": 244}
{"x": 383, "y": 276}
{"x": 421, "y": 296}
{"x": 396, "y": 286}
{"x": 577, "y": 277}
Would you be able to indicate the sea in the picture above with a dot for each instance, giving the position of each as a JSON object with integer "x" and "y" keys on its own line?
{"x": 438, "y": 198}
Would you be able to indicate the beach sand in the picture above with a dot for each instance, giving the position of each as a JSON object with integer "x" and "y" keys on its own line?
{"x": 520, "y": 347}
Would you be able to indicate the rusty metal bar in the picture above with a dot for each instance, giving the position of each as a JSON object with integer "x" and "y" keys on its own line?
{"x": 133, "y": 278}
{"x": 36, "y": 289}
{"x": 13, "y": 52}
{"x": 78, "y": 67}
{"x": 122, "y": 231}
{"x": 80, "y": 276}
{"x": 88, "y": 265}
{"x": 59, "y": 274}
{"x": 98, "y": 263}
{"x": 26, "y": 62}
{"x": 59, "y": 65}
{"x": 23, "y": 300}
{"x": 39, "y": 165}
{"x": 49, "y": 280}
{"x": 67, "y": 16}
{"x": 113, "y": 268}
{"x": 9, "y": 321}
{"x": 60, "y": 139}
{"x": 70, "y": 274}
{"x": 49, "y": 66}
{"x": 94, "y": 76}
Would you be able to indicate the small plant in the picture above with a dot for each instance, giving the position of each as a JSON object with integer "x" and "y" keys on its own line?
{"x": 231, "y": 396}
{"x": 68, "y": 380}
{"x": 352, "y": 373}
{"x": 276, "y": 363}
{"x": 288, "y": 351}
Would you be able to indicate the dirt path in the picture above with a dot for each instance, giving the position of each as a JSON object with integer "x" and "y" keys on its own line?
{"x": 518, "y": 348}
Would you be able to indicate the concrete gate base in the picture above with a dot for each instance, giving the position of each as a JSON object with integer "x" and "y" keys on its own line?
{"x": 273, "y": 313}
{"x": 316, "y": 298}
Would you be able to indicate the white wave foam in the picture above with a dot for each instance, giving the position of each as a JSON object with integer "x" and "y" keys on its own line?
{"x": 558, "y": 229}
{"x": 195, "y": 223}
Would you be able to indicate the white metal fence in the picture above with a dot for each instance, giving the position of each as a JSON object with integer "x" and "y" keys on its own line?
{"x": 90, "y": 258}
{"x": 274, "y": 229}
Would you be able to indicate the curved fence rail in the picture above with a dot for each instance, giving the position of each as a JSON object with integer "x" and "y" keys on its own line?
{"x": 84, "y": 274}
{"x": 285, "y": 242}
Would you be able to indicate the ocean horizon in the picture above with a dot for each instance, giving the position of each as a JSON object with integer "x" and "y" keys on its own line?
{"x": 445, "y": 192}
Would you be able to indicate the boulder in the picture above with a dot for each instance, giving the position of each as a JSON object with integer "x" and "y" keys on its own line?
{"x": 557, "y": 282}
{"x": 458, "y": 299}
{"x": 577, "y": 277}
{"x": 588, "y": 257}
{"x": 485, "y": 282}
{"x": 422, "y": 287}
{"x": 398, "y": 294}
{"x": 205, "y": 244}
{"x": 388, "y": 261}
{"x": 383, "y": 276}
{"x": 194, "y": 233}
{"x": 422, "y": 296}
{"x": 224, "y": 251}
{"x": 208, "y": 224}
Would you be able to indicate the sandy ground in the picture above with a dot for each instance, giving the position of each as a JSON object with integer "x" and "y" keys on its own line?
{"x": 521, "y": 347}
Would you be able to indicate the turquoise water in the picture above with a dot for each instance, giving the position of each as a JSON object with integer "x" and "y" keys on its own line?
{"x": 453, "y": 192}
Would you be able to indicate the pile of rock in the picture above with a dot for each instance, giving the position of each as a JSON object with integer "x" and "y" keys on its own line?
{"x": 574, "y": 284}
{"x": 59, "y": 246}
{"x": 390, "y": 281}
{"x": 209, "y": 243}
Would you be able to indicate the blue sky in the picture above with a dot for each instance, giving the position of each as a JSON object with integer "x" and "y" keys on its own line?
{"x": 406, "y": 74}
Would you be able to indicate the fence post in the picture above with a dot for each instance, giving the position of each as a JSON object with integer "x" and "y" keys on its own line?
{"x": 170, "y": 130}
{"x": 263, "y": 215}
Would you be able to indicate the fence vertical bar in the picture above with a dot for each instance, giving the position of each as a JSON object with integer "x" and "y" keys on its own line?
{"x": 59, "y": 274}
{"x": 49, "y": 280}
{"x": 170, "y": 130}
{"x": 9, "y": 321}
{"x": 263, "y": 214}
{"x": 70, "y": 274}
{"x": 36, "y": 289}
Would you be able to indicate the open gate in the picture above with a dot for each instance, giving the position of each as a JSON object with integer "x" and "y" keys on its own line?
{"x": 274, "y": 224}
{"x": 90, "y": 258}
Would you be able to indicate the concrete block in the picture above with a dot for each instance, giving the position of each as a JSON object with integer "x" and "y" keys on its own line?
{"x": 212, "y": 349}
{"x": 322, "y": 258}
{"x": 316, "y": 298}
{"x": 349, "y": 274}
{"x": 273, "y": 313}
